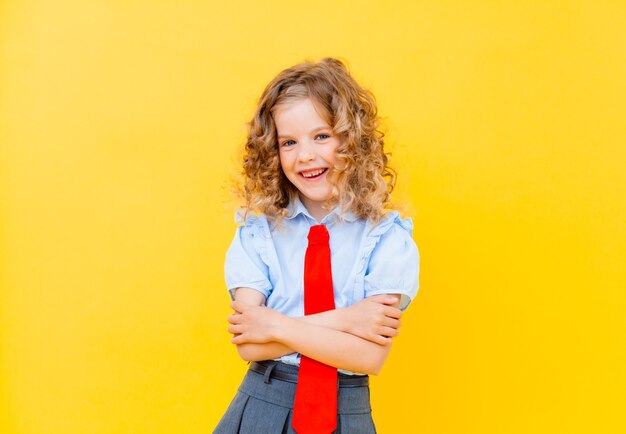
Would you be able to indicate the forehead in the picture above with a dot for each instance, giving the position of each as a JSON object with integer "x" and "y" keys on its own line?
{"x": 297, "y": 109}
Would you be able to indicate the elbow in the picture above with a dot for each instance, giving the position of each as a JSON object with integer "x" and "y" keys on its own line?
{"x": 243, "y": 353}
{"x": 377, "y": 361}
{"x": 373, "y": 368}
{"x": 247, "y": 353}
{"x": 377, "y": 366}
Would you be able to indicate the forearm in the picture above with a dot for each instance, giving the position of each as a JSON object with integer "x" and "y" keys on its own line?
{"x": 336, "y": 337}
{"x": 331, "y": 319}
{"x": 255, "y": 352}
{"x": 375, "y": 318}
{"x": 333, "y": 347}
{"x": 271, "y": 350}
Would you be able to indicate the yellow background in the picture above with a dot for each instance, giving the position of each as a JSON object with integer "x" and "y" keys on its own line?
{"x": 119, "y": 128}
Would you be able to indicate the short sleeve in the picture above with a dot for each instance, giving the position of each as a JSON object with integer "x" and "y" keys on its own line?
{"x": 393, "y": 266}
{"x": 244, "y": 266}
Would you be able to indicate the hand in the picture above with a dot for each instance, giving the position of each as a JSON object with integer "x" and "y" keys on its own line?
{"x": 374, "y": 318}
{"x": 254, "y": 324}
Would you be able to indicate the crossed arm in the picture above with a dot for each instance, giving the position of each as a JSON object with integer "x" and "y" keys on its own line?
{"x": 356, "y": 338}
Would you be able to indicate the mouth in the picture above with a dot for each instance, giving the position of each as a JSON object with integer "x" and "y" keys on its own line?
{"x": 313, "y": 174}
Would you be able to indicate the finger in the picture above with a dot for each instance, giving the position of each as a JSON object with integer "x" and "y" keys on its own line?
{"x": 393, "y": 323}
{"x": 237, "y": 306}
{"x": 234, "y": 318}
{"x": 240, "y": 306}
{"x": 380, "y": 298}
{"x": 390, "y": 299}
{"x": 239, "y": 339}
{"x": 383, "y": 340}
{"x": 393, "y": 312}
{"x": 389, "y": 332}
{"x": 384, "y": 299}
{"x": 235, "y": 329}
{"x": 377, "y": 338}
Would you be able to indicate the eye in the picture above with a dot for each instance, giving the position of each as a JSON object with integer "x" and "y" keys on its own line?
{"x": 288, "y": 143}
{"x": 323, "y": 136}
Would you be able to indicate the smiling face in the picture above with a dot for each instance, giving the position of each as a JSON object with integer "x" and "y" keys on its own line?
{"x": 306, "y": 145}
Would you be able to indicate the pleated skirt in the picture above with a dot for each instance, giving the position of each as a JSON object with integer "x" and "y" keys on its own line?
{"x": 264, "y": 405}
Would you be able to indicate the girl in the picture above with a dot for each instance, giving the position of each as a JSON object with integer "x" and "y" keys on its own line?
{"x": 314, "y": 163}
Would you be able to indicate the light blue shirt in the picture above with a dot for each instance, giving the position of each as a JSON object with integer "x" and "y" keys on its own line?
{"x": 366, "y": 259}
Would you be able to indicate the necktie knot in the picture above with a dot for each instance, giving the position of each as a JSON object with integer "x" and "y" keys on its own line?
{"x": 318, "y": 234}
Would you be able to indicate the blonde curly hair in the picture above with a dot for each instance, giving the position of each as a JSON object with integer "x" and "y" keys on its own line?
{"x": 362, "y": 179}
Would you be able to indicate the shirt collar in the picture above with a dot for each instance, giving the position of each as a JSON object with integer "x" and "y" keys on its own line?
{"x": 296, "y": 207}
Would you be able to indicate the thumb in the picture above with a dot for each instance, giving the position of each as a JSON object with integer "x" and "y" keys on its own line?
{"x": 378, "y": 298}
{"x": 391, "y": 299}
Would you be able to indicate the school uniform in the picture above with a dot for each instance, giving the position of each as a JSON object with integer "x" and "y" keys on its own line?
{"x": 366, "y": 260}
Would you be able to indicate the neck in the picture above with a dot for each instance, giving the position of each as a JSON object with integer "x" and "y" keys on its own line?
{"x": 317, "y": 210}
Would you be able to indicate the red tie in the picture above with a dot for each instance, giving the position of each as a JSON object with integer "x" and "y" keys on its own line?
{"x": 315, "y": 406}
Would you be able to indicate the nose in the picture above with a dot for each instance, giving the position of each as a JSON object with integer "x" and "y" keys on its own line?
{"x": 306, "y": 152}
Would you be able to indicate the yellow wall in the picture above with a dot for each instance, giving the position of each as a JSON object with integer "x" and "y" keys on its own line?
{"x": 119, "y": 125}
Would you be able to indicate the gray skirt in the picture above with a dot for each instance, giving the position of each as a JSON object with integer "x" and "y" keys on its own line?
{"x": 264, "y": 402}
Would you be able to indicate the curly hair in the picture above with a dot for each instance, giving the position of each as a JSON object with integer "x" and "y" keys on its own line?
{"x": 362, "y": 179}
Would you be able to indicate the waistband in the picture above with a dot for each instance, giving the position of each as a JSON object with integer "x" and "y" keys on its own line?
{"x": 282, "y": 371}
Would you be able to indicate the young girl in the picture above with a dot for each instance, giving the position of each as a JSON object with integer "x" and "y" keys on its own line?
{"x": 314, "y": 162}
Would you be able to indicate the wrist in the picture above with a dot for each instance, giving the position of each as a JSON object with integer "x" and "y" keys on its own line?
{"x": 283, "y": 325}
{"x": 345, "y": 322}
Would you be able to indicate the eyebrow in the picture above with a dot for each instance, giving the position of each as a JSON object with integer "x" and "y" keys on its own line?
{"x": 314, "y": 130}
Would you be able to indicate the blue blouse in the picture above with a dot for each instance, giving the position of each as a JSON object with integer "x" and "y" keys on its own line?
{"x": 366, "y": 259}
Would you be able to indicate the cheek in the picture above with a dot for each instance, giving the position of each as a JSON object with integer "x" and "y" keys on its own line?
{"x": 284, "y": 163}
{"x": 281, "y": 159}
{"x": 331, "y": 155}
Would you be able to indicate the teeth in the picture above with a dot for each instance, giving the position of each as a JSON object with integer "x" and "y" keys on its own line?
{"x": 313, "y": 173}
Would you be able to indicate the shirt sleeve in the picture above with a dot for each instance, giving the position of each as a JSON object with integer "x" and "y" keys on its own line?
{"x": 394, "y": 266}
{"x": 244, "y": 267}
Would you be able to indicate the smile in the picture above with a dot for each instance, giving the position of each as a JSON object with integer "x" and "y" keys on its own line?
{"x": 312, "y": 174}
